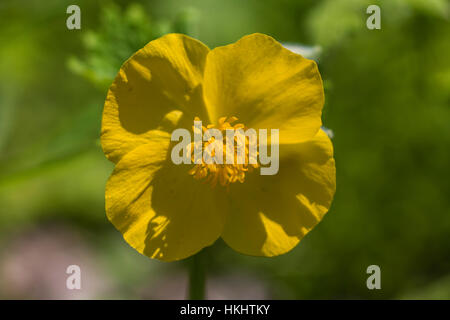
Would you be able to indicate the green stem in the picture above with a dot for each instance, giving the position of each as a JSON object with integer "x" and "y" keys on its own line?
{"x": 197, "y": 276}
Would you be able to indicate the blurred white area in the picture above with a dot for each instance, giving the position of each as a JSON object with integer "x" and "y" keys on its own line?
{"x": 309, "y": 52}
{"x": 33, "y": 266}
{"x": 328, "y": 131}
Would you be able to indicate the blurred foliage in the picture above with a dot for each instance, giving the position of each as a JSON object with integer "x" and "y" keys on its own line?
{"x": 331, "y": 22}
{"x": 120, "y": 35}
{"x": 387, "y": 101}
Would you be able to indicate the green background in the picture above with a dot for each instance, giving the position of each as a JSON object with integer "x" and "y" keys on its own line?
{"x": 387, "y": 102}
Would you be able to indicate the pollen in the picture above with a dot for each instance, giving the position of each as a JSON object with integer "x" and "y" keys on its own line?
{"x": 225, "y": 173}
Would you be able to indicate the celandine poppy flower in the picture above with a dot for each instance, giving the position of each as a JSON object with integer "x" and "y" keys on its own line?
{"x": 166, "y": 211}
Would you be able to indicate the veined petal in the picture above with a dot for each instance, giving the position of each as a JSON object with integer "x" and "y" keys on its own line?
{"x": 159, "y": 208}
{"x": 269, "y": 215}
{"x": 156, "y": 88}
{"x": 265, "y": 86}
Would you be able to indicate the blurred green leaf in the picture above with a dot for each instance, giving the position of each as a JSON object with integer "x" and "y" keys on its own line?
{"x": 438, "y": 8}
{"x": 120, "y": 34}
{"x": 437, "y": 290}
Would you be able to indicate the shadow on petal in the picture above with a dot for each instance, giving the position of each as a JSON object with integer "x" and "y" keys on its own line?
{"x": 271, "y": 214}
{"x": 189, "y": 215}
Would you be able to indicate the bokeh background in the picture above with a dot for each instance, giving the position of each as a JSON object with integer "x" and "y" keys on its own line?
{"x": 387, "y": 102}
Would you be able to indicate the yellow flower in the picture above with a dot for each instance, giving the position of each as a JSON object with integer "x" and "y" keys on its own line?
{"x": 166, "y": 211}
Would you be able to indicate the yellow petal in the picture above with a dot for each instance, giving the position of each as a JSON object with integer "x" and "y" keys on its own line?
{"x": 154, "y": 89}
{"x": 159, "y": 208}
{"x": 269, "y": 215}
{"x": 265, "y": 86}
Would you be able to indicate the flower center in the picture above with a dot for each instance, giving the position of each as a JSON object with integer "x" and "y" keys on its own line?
{"x": 239, "y": 153}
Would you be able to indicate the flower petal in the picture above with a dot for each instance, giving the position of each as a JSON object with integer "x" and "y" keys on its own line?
{"x": 159, "y": 208}
{"x": 265, "y": 86}
{"x": 153, "y": 90}
{"x": 269, "y": 215}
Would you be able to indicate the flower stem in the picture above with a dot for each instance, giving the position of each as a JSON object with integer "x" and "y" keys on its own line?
{"x": 197, "y": 276}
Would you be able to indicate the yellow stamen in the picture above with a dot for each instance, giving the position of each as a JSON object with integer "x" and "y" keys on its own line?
{"x": 225, "y": 173}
